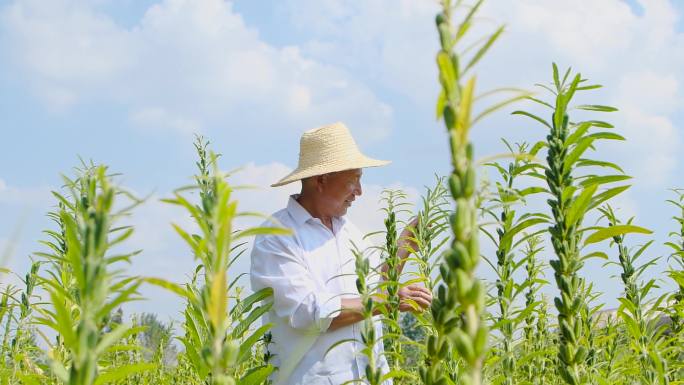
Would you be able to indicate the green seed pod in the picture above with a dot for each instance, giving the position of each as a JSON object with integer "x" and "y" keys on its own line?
{"x": 481, "y": 340}
{"x": 463, "y": 284}
{"x": 455, "y": 186}
{"x": 432, "y": 345}
{"x": 469, "y": 151}
{"x": 565, "y": 353}
{"x": 449, "y": 116}
{"x": 464, "y": 345}
{"x": 470, "y": 182}
{"x": 581, "y": 354}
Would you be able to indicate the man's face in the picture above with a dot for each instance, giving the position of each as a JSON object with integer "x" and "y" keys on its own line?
{"x": 338, "y": 190}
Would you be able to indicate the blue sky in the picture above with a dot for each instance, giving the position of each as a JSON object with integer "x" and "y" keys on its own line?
{"x": 128, "y": 82}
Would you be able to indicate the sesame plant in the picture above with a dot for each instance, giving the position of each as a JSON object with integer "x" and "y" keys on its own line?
{"x": 461, "y": 335}
{"x": 372, "y": 372}
{"x": 639, "y": 317}
{"x": 676, "y": 258}
{"x": 77, "y": 313}
{"x": 512, "y": 230}
{"x": 429, "y": 232}
{"x": 534, "y": 361}
{"x": 394, "y": 205}
{"x": 573, "y": 193}
{"x": 219, "y": 339}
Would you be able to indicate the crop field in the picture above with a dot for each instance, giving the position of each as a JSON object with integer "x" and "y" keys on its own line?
{"x": 547, "y": 210}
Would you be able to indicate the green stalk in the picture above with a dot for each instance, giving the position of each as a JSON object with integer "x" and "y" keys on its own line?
{"x": 676, "y": 270}
{"x": 459, "y": 335}
{"x": 391, "y": 276}
{"x": 509, "y": 226}
{"x": 88, "y": 218}
{"x": 218, "y": 339}
{"x": 533, "y": 371}
{"x": 572, "y": 196}
{"x": 432, "y": 223}
{"x": 373, "y": 373}
{"x": 645, "y": 338}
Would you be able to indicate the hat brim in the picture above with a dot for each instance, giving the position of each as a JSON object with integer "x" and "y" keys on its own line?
{"x": 300, "y": 174}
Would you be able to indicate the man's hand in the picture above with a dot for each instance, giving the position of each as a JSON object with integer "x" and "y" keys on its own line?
{"x": 414, "y": 298}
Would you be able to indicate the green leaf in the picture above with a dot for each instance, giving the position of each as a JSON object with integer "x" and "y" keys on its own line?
{"x": 497, "y": 106}
{"x": 121, "y": 372}
{"x": 535, "y": 117}
{"x": 580, "y": 205}
{"x": 606, "y": 135}
{"x": 577, "y": 152}
{"x": 441, "y": 103}
{"x": 246, "y": 304}
{"x": 604, "y": 196}
{"x": 597, "y": 163}
{"x": 485, "y": 47}
{"x": 599, "y": 123}
{"x": 447, "y": 73}
{"x": 577, "y": 134}
{"x": 263, "y": 231}
{"x": 595, "y": 254}
{"x": 247, "y": 343}
{"x": 612, "y": 231}
{"x": 596, "y": 107}
{"x": 556, "y": 79}
{"x": 256, "y": 376}
{"x": 603, "y": 179}
{"x": 170, "y": 286}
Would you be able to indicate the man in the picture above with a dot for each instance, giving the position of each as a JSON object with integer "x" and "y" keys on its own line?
{"x": 315, "y": 301}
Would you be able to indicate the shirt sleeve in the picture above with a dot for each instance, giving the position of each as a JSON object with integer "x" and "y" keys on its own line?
{"x": 276, "y": 263}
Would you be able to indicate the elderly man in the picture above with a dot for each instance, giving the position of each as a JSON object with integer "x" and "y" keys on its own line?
{"x": 316, "y": 303}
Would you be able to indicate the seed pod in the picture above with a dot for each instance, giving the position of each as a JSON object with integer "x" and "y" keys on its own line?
{"x": 470, "y": 183}
{"x": 463, "y": 284}
{"x": 449, "y": 116}
{"x": 455, "y": 186}
{"x": 481, "y": 339}
{"x": 581, "y": 354}
{"x": 464, "y": 345}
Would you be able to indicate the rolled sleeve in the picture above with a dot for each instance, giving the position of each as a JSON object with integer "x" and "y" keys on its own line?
{"x": 277, "y": 264}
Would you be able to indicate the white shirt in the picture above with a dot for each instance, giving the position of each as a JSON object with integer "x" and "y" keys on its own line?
{"x": 310, "y": 272}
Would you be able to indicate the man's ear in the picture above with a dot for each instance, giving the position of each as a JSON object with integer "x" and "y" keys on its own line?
{"x": 321, "y": 181}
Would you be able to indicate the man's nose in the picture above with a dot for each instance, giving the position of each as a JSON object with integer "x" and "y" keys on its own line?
{"x": 358, "y": 191}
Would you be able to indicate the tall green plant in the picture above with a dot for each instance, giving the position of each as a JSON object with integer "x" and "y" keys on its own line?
{"x": 511, "y": 231}
{"x": 218, "y": 339}
{"x": 641, "y": 319}
{"x": 88, "y": 217}
{"x": 534, "y": 358}
{"x": 466, "y": 335}
{"x": 372, "y": 372}
{"x": 572, "y": 195}
{"x": 428, "y": 234}
{"x": 676, "y": 271}
{"x": 394, "y": 203}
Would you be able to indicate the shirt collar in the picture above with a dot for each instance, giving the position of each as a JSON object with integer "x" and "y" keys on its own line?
{"x": 300, "y": 215}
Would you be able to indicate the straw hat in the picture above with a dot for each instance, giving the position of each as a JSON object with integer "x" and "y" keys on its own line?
{"x": 328, "y": 149}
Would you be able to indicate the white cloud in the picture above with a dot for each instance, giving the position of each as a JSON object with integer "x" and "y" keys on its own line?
{"x": 155, "y": 118}
{"x": 33, "y": 197}
{"x": 652, "y": 149}
{"x": 394, "y": 47}
{"x": 649, "y": 91}
{"x": 184, "y": 63}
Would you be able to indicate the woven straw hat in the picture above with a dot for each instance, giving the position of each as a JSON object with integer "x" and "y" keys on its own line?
{"x": 328, "y": 149}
